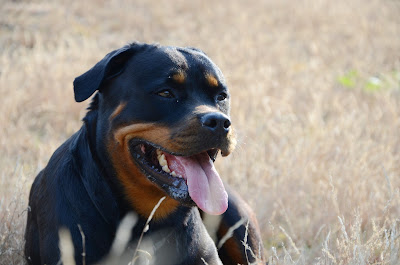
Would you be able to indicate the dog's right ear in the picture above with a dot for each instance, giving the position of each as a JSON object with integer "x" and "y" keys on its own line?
{"x": 110, "y": 66}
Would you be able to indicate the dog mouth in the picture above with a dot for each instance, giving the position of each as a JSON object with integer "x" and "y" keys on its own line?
{"x": 190, "y": 179}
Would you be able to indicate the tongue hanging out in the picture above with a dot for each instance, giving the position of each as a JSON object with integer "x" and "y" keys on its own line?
{"x": 205, "y": 185}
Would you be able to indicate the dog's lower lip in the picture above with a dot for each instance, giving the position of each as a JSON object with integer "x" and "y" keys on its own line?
{"x": 144, "y": 155}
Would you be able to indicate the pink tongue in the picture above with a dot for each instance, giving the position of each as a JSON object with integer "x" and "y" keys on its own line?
{"x": 205, "y": 185}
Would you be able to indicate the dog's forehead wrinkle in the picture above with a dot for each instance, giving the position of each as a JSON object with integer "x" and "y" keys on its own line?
{"x": 177, "y": 58}
{"x": 197, "y": 60}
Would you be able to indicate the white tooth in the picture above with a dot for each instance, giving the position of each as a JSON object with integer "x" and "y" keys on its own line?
{"x": 173, "y": 173}
{"x": 179, "y": 176}
{"x": 166, "y": 169}
{"x": 158, "y": 151}
{"x": 162, "y": 160}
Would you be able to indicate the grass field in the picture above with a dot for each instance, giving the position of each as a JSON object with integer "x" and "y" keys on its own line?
{"x": 315, "y": 102}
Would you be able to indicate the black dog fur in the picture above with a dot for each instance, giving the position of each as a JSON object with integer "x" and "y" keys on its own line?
{"x": 94, "y": 180}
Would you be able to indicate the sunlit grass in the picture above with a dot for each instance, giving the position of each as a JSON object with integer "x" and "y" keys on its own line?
{"x": 315, "y": 103}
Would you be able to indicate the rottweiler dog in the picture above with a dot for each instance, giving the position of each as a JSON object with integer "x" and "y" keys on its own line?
{"x": 157, "y": 121}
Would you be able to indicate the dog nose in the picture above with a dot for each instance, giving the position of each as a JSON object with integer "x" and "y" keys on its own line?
{"x": 216, "y": 122}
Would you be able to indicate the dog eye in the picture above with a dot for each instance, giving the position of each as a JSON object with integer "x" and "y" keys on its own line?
{"x": 222, "y": 96}
{"x": 166, "y": 94}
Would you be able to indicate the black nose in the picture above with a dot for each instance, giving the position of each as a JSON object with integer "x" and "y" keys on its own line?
{"x": 216, "y": 122}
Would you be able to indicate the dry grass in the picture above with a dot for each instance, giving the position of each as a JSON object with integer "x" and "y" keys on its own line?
{"x": 316, "y": 104}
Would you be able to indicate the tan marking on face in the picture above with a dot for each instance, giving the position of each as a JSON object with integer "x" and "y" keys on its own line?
{"x": 179, "y": 77}
{"x": 156, "y": 134}
{"x": 211, "y": 80}
{"x": 117, "y": 111}
{"x": 142, "y": 194}
{"x": 202, "y": 109}
{"x": 231, "y": 143}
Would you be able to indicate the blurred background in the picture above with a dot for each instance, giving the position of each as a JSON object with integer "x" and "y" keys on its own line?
{"x": 315, "y": 90}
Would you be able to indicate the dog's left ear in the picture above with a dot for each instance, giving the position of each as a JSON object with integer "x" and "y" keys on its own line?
{"x": 110, "y": 66}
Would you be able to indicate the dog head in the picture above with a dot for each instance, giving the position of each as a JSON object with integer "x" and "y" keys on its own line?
{"x": 163, "y": 116}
